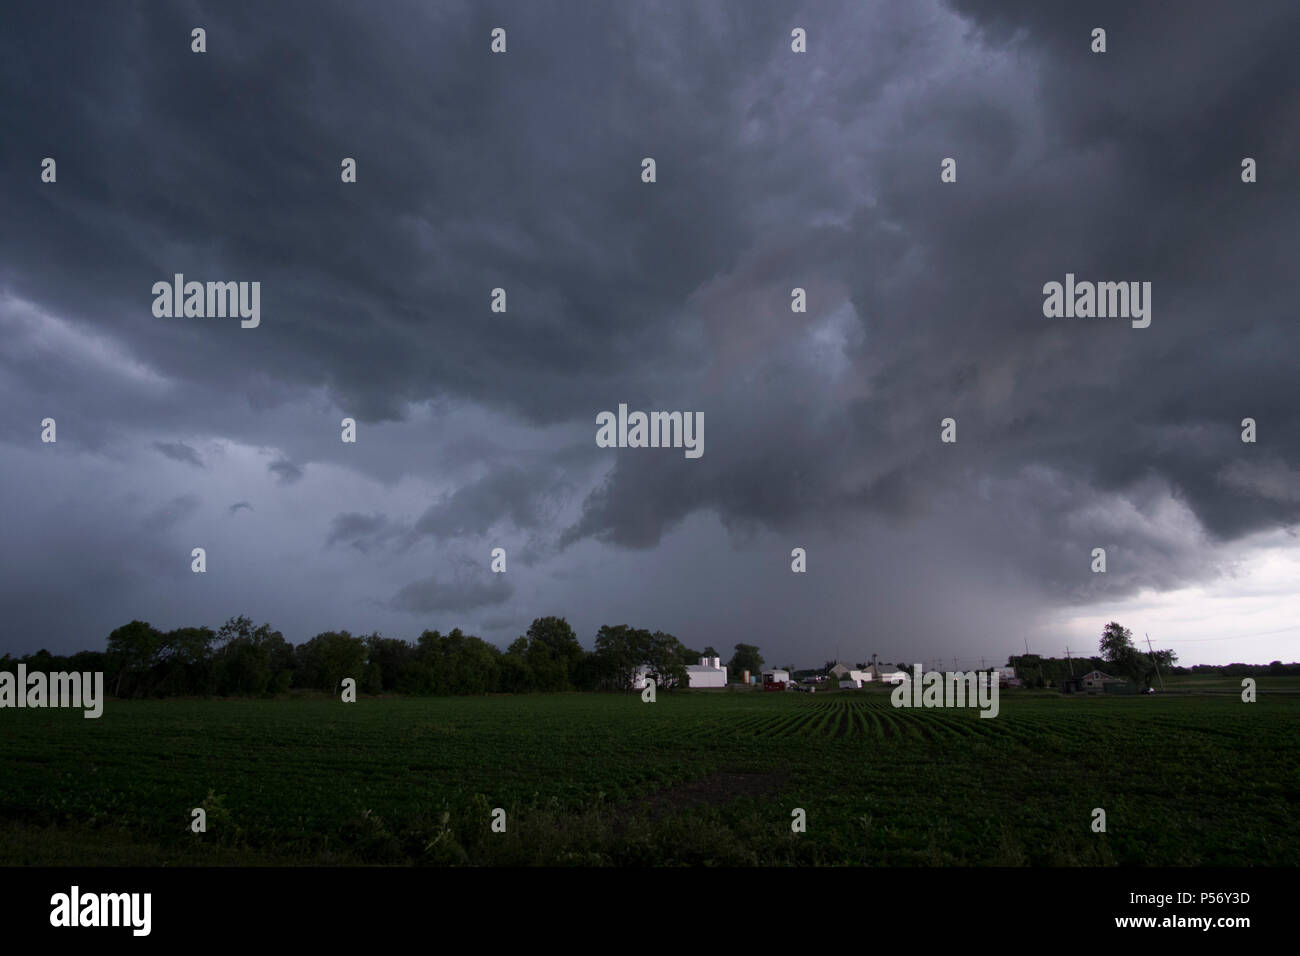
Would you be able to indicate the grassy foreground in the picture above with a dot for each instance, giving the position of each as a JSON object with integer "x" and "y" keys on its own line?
{"x": 695, "y": 778}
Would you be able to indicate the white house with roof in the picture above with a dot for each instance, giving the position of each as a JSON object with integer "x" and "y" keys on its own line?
{"x": 1094, "y": 682}
{"x": 845, "y": 672}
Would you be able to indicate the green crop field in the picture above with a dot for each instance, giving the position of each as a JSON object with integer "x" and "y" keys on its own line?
{"x": 695, "y": 778}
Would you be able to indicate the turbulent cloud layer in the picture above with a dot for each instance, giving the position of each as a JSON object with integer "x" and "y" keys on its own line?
{"x": 521, "y": 171}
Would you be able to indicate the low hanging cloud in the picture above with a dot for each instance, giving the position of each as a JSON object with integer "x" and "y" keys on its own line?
{"x": 285, "y": 471}
{"x": 179, "y": 451}
{"x": 464, "y": 588}
{"x": 362, "y": 532}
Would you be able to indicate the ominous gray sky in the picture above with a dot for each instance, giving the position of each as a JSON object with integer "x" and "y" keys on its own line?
{"x": 775, "y": 170}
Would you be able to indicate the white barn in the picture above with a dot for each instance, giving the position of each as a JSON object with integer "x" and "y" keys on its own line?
{"x": 709, "y": 672}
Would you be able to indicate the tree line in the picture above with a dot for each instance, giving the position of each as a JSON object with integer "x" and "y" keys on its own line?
{"x": 240, "y": 659}
{"x": 1120, "y": 657}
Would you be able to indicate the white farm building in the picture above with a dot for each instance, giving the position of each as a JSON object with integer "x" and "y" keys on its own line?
{"x": 709, "y": 672}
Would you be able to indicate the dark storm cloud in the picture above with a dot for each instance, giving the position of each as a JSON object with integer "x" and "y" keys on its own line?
{"x": 1119, "y": 171}
{"x": 362, "y": 532}
{"x": 465, "y": 588}
{"x": 775, "y": 170}
{"x": 471, "y": 176}
{"x": 179, "y": 451}
{"x": 1150, "y": 137}
{"x": 285, "y": 471}
{"x": 512, "y": 494}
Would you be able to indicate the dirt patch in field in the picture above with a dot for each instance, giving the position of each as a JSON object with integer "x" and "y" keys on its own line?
{"x": 715, "y": 790}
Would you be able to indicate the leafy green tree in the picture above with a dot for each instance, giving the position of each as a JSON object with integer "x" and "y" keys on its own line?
{"x": 460, "y": 663}
{"x": 247, "y": 655}
{"x": 514, "y": 675}
{"x": 416, "y": 677}
{"x": 745, "y": 658}
{"x": 553, "y": 653}
{"x": 390, "y": 655}
{"x": 1119, "y": 651}
{"x": 586, "y": 675}
{"x": 134, "y": 650}
{"x": 664, "y": 659}
{"x": 618, "y": 655}
{"x": 187, "y": 657}
{"x": 623, "y": 651}
{"x": 1116, "y": 643}
{"x": 331, "y": 656}
{"x": 282, "y": 661}
{"x": 1165, "y": 660}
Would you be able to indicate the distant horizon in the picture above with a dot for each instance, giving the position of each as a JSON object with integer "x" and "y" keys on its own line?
{"x": 964, "y": 662}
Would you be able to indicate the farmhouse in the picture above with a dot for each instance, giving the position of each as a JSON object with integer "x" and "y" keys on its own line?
{"x": 1093, "y": 682}
{"x": 845, "y": 672}
{"x": 709, "y": 672}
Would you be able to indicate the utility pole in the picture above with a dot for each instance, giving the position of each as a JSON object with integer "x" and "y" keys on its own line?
{"x": 1067, "y": 657}
{"x": 1154, "y": 661}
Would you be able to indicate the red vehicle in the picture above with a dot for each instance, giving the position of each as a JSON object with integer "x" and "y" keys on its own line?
{"x": 774, "y": 685}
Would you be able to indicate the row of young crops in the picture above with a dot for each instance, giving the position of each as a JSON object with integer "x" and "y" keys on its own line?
{"x": 870, "y": 717}
{"x": 874, "y": 717}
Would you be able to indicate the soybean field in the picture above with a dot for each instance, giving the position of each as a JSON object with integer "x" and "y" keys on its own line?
{"x": 695, "y": 778}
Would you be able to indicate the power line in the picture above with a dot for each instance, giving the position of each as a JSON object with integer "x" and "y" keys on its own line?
{"x": 1154, "y": 661}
